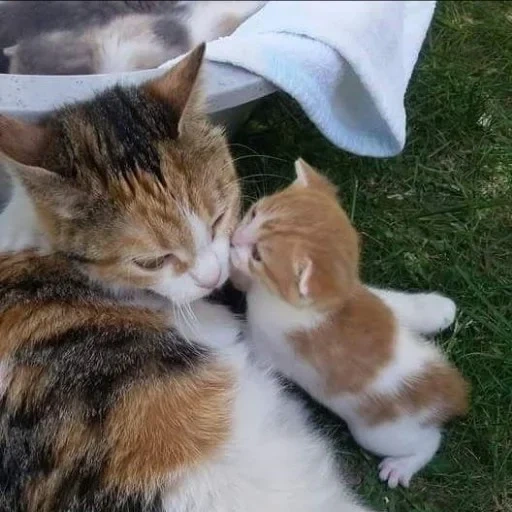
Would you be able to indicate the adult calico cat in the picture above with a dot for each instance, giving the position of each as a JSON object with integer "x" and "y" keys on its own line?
{"x": 111, "y": 399}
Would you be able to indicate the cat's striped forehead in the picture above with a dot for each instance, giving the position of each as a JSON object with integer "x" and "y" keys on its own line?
{"x": 117, "y": 133}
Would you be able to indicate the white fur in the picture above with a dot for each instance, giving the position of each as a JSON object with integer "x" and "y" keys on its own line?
{"x": 425, "y": 313}
{"x": 210, "y": 324}
{"x": 273, "y": 461}
{"x": 210, "y": 269}
{"x": 406, "y": 442}
{"x": 411, "y": 354}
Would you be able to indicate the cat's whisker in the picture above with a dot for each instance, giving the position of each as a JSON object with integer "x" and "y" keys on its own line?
{"x": 192, "y": 314}
{"x": 178, "y": 314}
{"x": 185, "y": 311}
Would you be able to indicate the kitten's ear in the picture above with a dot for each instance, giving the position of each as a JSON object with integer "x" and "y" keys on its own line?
{"x": 307, "y": 176}
{"x": 322, "y": 281}
{"x": 178, "y": 87}
{"x": 22, "y": 141}
{"x": 304, "y": 276}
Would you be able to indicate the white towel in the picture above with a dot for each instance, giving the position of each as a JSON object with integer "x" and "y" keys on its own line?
{"x": 347, "y": 63}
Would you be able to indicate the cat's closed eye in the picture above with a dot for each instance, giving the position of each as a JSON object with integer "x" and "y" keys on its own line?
{"x": 152, "y": 263}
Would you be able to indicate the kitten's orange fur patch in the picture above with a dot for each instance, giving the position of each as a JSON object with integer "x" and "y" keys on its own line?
{"x": 352, "y": 346}
{"x": 439, "y": 388}
{"x": 164, "y": 426}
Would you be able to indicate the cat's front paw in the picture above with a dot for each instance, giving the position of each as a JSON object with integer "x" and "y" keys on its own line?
{"x": 211, "y": 324}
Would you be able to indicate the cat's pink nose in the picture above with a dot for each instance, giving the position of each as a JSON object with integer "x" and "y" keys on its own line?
{"x": 208, "y": 282}
{"x": 209, "y": 276}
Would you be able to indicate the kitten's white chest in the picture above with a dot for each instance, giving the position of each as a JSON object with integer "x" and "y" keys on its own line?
{"x": 271, "y": 320}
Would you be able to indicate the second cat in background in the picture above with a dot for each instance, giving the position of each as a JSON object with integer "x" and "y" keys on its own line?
{"x": 359, "y": 351}
{"x": 79, "y": 38}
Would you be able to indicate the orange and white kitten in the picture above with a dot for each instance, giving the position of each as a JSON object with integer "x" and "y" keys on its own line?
{"x": 357, "y": 350}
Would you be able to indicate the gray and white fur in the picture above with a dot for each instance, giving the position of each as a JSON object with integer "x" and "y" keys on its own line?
{"x": 78, "y": 38}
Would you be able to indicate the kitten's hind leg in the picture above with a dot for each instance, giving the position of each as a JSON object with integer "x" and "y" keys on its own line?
{"x": 400, "y": 470}
{"x": 424, "y": 313}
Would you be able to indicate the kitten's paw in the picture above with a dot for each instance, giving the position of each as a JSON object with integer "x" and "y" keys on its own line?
{"x": 398, "y": 470}
{"x": 436, "y": 312}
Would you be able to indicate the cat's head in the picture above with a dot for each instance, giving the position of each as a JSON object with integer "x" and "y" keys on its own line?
{"x": 135, "y": 185}
{"x": 299, "y": 244}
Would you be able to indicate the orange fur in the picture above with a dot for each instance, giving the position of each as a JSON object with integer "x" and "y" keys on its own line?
{"x": 167, "y": 426}
{"x": 20, "y": 326}
{"x": 108, "y": 398}
{"x": 294, "y": 229}
{"x": 439, "y": 388}
{"x": 25, "y": 387}
{"x": 352, "y": 346}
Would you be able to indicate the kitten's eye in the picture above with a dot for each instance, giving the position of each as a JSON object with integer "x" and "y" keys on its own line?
{"x": 152, "y": 263}
{"x": 256, "y": 256}
{"x": 253, "y": 213}
{"x": 217, "y": 221}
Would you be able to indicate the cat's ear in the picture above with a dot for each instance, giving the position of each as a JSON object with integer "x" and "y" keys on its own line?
{"x": 179, "y": 86}
{"x": 304, "y": 273}
{"x": 309, "y": 177}
{"x": 21, "y": 149}
{"x": 43, "y": 188}
{"x": 22, "y": 141}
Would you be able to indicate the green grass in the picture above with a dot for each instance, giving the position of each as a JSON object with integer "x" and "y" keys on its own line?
{"x": 438, "y": 216}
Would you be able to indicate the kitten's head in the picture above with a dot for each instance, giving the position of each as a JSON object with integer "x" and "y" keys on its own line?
{"x": 299, "y": 243}
{"x": 135, "y": 185}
